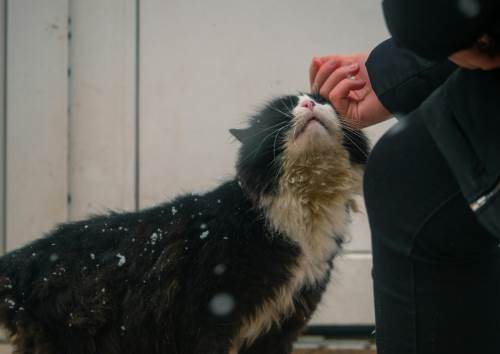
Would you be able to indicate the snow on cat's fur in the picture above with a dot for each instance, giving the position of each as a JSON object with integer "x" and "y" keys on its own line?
{"x": 239, "y": 269}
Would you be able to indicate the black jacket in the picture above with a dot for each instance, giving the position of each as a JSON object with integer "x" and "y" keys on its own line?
{"x": 461, "y": 108}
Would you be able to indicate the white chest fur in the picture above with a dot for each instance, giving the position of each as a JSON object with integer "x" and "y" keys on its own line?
{"x": 311, "y": 211}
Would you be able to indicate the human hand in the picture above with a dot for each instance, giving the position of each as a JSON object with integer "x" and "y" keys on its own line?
{"x": 474, "y": 59}
{"x": 344, "y": 81}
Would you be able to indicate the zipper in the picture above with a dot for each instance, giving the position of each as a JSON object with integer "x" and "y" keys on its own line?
{"x": 483, "y": 200}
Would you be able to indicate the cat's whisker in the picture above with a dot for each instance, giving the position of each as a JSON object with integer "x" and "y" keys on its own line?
{"x": 274, "y": 144}
{"x": 257, "y": 149}
{"x": 280, "y": 111}
{"x": 357, "y": 146}
{"x": 349, "y": 122}
{"x": 268, "y": 128}
{"x": 351, "y": 127}
{"x": 289, "y": 103}
{"x": 352, "y": 130}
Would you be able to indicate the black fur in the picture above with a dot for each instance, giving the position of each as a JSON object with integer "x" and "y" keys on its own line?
{"x": 259, "y": 156}
{"x": 355, "y": 141}
{"x": 177, "y": 278}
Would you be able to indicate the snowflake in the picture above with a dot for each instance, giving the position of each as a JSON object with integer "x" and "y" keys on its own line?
{"x": 121, "y": 259}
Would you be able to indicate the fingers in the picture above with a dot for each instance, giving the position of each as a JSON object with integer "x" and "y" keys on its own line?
{"x": 318, "y": 62}
{"x": 336, "y": 77}
{"x": 339, "y": 96}
{"x": 342, "y": 90}
{"x": 323, "y": 73}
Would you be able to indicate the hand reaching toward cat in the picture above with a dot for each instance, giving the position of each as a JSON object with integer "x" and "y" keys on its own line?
{"x": 344, "y": 81}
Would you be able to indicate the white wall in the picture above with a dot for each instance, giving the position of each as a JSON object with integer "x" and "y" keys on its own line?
{"x": 143, "y": 112}
{"x": 103, "y": 108}
{"x": 2, "y": 124}
{"x": 37, "y": 117}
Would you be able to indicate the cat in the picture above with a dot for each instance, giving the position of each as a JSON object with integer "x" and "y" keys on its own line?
{"x": 239, "y": 269}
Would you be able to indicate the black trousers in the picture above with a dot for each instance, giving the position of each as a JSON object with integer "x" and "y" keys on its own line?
{"x": 436, "y": 269}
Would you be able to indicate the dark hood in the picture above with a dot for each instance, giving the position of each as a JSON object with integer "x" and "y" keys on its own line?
{"x": 434, "y": 29}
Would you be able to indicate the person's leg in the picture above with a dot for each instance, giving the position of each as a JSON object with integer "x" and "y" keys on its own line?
{"x": 436, "y": 269}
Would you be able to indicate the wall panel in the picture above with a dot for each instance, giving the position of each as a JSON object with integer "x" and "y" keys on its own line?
{"x": 37, "y": 114}
{"x": 102, "y": 98}
{"x": 3, "y": 23}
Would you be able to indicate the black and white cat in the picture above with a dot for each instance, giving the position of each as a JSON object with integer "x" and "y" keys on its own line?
{"x": 239, "y": 269}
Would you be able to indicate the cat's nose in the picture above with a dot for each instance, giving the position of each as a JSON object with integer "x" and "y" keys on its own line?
{"x": 308, "y": 104}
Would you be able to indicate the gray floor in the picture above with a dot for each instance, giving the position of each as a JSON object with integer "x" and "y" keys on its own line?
{"x": 306, "y": 345}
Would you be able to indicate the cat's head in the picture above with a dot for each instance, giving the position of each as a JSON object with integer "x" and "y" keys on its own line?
{"x": 299, "y": 133}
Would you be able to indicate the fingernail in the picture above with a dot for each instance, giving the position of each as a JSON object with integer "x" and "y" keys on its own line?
{"x": 353, "y": 66}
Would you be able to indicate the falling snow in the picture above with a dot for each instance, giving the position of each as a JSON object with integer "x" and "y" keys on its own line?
{"x": 220, "y": 269}
{"x": 203, "y": 226}
{"x": 174, "y": 210}
{"x": 154, "y": 238}
{"x": 121, "y": 259}
{"x": 92, "y": 256}
{"x": 54, "y": 257}
{"x": 470, "y": 8}
{"x": 204, "y": 234}
{"x": 11, "y": 303}
{"x": 222, "y": 304}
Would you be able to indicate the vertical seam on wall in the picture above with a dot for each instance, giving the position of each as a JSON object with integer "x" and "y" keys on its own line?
{"x": 70, "y": 115}
{"x": 137, "y": 175}
{"x": 4, "y": 132}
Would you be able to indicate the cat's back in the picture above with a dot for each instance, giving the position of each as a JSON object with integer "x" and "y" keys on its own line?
{"x": 105, "y": 260}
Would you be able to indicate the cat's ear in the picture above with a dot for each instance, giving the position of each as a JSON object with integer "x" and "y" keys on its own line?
{"x": 240, "y": 134}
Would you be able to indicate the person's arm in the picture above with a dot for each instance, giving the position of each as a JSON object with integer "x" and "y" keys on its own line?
{"x": 388, "y": 81}
{"x": 401, "y": 79}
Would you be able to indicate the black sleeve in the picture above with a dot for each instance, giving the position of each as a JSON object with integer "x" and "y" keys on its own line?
{"x": 403, "y": 80}
{"x": 437, "y": 28}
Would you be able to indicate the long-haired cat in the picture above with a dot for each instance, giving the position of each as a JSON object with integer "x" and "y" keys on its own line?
{"x": 239, "y": 269}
